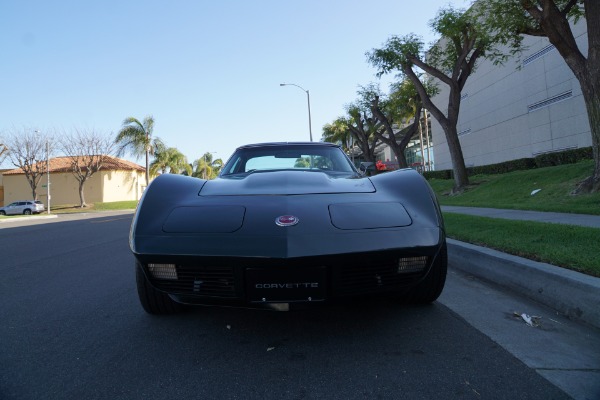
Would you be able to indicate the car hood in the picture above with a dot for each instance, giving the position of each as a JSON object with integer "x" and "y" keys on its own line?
{"x": 285, "y": 183}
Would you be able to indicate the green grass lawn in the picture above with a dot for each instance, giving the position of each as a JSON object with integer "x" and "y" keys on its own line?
{"x": 567, "y": 246}
{"x": 93, "y": 207}
{"x": 116, "y": 205}
{"x": 513, "y": 190}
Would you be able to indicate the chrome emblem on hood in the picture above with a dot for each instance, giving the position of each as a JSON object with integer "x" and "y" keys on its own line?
{"x": 286, "y": 220}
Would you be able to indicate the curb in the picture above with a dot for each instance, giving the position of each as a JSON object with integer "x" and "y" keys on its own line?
{"x": 32, "y": 218}
{"x": 93, "y": 214}
{"x": 571, "y": 293}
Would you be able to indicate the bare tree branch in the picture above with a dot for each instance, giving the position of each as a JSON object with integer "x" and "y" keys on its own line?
{"x": 88, "y": 151}
{"x": 28, "y": 150}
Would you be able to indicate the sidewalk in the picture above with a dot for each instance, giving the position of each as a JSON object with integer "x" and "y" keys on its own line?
{"x": 45, "y": 218}
{"x": 592, "y": 221}
{"x": 571, "y": 293}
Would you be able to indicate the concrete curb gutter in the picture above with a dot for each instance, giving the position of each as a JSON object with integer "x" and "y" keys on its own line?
{"x": 571, "y": 293}
{"x": 67, "y": 216}
{"x": 31, "y": 218}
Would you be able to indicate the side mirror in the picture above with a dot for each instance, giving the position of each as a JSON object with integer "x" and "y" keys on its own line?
{"x": 367, "y": 168}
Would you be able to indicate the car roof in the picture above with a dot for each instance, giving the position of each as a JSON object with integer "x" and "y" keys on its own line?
{"x": 316, "y": 144}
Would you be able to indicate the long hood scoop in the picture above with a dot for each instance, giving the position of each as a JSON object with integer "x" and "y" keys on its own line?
{"x": 285, "y": 183}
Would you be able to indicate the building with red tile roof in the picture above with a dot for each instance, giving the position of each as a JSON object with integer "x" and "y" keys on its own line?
{"x": 117, "y": 180}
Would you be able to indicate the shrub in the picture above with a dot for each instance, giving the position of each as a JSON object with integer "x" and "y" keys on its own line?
{"x": 503, "y": 167}
{"x": 443, "y": 174}
{"x": 543, "y": 160}
{"x": 563, "y": 157}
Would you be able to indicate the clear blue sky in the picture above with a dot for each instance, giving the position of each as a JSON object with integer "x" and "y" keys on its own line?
{"x": 208, "y": 71}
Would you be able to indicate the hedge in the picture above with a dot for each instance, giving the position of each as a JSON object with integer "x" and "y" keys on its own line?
{"x": 543, "y": 160}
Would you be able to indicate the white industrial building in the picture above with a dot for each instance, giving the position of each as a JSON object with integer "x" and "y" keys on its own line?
{"x": 529, "y": 106}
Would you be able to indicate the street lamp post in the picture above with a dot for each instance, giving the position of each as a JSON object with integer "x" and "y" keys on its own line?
{"x": 308, "y": 99}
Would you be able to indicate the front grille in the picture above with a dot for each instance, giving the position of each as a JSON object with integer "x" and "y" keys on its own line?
{"x": 367, "y": 276}
{"x": 213, "y": 281}
{"x": 347, "y": 275}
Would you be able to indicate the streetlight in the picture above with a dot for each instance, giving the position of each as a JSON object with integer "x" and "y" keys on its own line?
{"x": 206, "y": 162}
{"x": 308, "y": 98}
{"x": 47, "y": 171}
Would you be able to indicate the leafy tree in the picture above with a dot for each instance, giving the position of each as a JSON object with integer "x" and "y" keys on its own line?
{"x": 171, "y": 160}
{"x": 363, "y": 128}
{"x": 88, "y": 152}
{"x": 29, "y": 149}
{"x": 401, "y": 108}
{"x": 136, "y": 137}
{"x": 302, "y": 162}
{"x": 552, "y": 18}
{"x": 313, "y": 162}
{"x": 359, "y": 124}
{"x": 450, "y": 61}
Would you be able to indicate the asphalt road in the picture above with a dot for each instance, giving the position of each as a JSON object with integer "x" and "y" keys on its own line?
{"x": 72, "y": 328}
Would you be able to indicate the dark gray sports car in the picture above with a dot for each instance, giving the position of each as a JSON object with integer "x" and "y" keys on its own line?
{"x": 286, "y": 224}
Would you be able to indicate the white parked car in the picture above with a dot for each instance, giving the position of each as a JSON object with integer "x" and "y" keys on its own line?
{"x": 26, "y": 207}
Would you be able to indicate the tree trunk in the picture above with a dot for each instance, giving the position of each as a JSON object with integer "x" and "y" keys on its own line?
{"x": 392, "y": 140}
{"x": 33, "y": 186}
{"x": 461, "y": 178}
{"x": 400, "y": 157}
{"x": 82, "y": 203}
{"x": 591, "y": 96}
{"x": 587, "y": 71}
{"x": 448, "y": 124}
{"x": 147, "y": 167}
{"x": 363, "y": 144}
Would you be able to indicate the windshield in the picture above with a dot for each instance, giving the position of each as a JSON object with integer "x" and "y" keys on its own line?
{"x": 328, "y": 159}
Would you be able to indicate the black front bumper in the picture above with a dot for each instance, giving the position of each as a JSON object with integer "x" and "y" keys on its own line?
{"x": 238, "y": 281}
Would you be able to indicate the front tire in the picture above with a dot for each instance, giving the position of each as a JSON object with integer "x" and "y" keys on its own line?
{"x": 428, "y": 290}
{"x": 154, "y": 301}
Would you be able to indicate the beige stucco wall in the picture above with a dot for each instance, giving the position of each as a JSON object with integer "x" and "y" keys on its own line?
{"x": 64, "y": 189}
{"x": 122, "y": 185}
{"x": 16, "y": 188}
{"x": 105, "y": 186}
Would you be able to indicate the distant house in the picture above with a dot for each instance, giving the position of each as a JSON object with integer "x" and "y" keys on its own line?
{"x": 118, "y": 180}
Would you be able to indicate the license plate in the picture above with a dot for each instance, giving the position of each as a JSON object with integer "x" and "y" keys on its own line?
{"x": 286, "y": 285}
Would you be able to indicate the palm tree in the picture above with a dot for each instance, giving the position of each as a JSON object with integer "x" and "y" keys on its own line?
{"x": 136, "y": 137}
{"x": 338, "y": 132}
{"x": 207, "y": 168}
{"x": 178, "y": 163}
{"x": 170, "y": 159}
